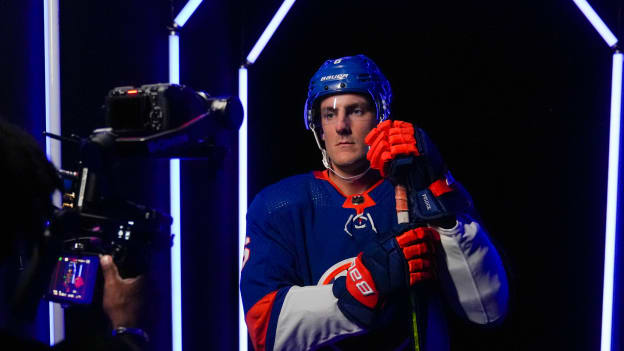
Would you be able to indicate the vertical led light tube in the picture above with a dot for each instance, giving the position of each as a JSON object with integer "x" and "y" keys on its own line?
{"x": 613, "y": 173}
{"x": 174, "y": 208}
{"x": 174, "y": 186}
{"x": 174, "y": 58}
{"x": 612, "y": 203}
{"x": 242, "y": 199}
{"x": 53, "y": 125}
{"x": 266, "y": 35}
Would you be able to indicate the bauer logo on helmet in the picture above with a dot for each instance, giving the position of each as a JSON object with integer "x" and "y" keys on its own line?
{"x": 335, "y": 77}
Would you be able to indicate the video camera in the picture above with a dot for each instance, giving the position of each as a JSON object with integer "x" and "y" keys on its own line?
{"x": 150, "y": 121}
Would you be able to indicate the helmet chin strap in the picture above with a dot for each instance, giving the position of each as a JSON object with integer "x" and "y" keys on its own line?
{"x": 327, "y": 164}
{"x": 351, "y": 179}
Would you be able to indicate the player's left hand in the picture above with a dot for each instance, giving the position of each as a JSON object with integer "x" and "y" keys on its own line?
{"x": 393, "y": 262}
{"x": 122, "y": 300}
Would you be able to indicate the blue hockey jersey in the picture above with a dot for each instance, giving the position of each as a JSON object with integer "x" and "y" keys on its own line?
{"x": 303, "y": 232}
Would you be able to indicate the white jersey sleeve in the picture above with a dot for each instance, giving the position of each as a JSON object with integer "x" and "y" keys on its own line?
{"x": 476, "y": 278}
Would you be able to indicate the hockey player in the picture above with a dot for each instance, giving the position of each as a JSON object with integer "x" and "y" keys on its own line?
{"x": 326, "y": 263}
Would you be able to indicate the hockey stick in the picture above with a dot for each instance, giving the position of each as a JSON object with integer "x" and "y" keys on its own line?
{"x": 402, "y": 211}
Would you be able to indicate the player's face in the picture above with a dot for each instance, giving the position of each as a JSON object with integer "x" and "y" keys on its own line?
{"x": 346, "y": 119}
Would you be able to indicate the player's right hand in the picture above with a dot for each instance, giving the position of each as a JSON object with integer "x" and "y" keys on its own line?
{"x": 418, "y": 247}
{"x": 403, "y": 259}
{"x": 389, "y": 140}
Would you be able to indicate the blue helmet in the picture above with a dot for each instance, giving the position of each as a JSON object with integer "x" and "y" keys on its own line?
{"x": 350, "y": 74}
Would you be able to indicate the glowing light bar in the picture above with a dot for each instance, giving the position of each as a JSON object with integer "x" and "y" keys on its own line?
{"x": 53, "y": 125}
{"x": 242, "y": 199}
{"x": 174, "y": 209}
{"x": 242, "y": 152}
{"x": 174, "y": 59}
{"x": 269, "y": 30}
{"x": 174, "y": 189}
{"x": 186, "y": 12}
{"x": 612, "y": 203}
{"x": 613, "y": 170}
{"x": 176, "y": 276}
{"x": 597, "y": 22}
{"x": 51, "y": 322}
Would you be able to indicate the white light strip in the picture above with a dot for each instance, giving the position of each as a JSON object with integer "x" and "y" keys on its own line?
{"x": 176, "y": 278}
{"x": 612, "y": 203}
{"x": 242, "y": 199}
{"x": 242, "y": 154}
{"x": 612, "y": 182}
{"x": 174, "y": 59}
{"x": 174, "y": 209}
{"x": 51, "y": 322}
{"x": 186, "y": 12}
{"x": 57, "y": 324}
{"x": 269, "y": 30}
{"x": 53, "y": 125}
{"x": 597, "y": 22}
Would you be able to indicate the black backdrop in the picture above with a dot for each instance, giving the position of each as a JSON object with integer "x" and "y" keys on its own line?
{"x": 515, "y": 94}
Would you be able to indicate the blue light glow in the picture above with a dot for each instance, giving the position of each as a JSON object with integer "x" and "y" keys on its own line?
{"x": 174, "y": 59}
{"x": 612, "y": 203}
{"x": 51, "y": 314}
{"x": 269, "y": 30}
{"x": 176, "y": 277}
{"x": 242, "y": 153}
{"x": 174, "y": 209}
{"x": 186, "y": 12}
{"x": 597, "y": 22}
{"x": 612, "y": 181}
{"x": 242, "y": 199}
{"x": 53, "y": 125}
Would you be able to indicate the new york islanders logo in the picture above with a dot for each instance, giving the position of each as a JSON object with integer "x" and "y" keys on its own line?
{"x": 335, "y": 271}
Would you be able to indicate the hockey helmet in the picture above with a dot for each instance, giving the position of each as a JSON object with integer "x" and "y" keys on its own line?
{"x": 350, "y": 74}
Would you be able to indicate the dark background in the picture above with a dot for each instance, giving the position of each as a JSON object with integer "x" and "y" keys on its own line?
{"x": 515, "y": 94}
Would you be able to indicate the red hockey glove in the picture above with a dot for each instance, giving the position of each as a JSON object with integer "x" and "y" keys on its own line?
{"x": 383, "y": 268}
{"x": 405, "y": 155}
{"x": 389, "y": 140}
{"x": 418, "y": 247}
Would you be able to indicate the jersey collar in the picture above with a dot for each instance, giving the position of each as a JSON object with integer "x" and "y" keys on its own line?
{"x": 358, "y": 202}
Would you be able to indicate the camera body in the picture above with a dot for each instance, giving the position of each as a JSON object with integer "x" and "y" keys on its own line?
{"x": 151, "y": 121}
{"x": 151, "y": 108}
{"x": 154, "y": 108}
{"x": 90, "y": 224}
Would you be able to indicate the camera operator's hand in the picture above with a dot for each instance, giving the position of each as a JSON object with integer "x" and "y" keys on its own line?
{"x": 122, "y": 297}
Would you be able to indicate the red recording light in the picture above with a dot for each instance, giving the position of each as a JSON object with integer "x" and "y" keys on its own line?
{"x": 132, "y": 92}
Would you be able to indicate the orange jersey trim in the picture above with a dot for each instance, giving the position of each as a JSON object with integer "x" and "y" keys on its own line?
{"x": 359, "y": 207}
{"x": 257, "y": 320}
